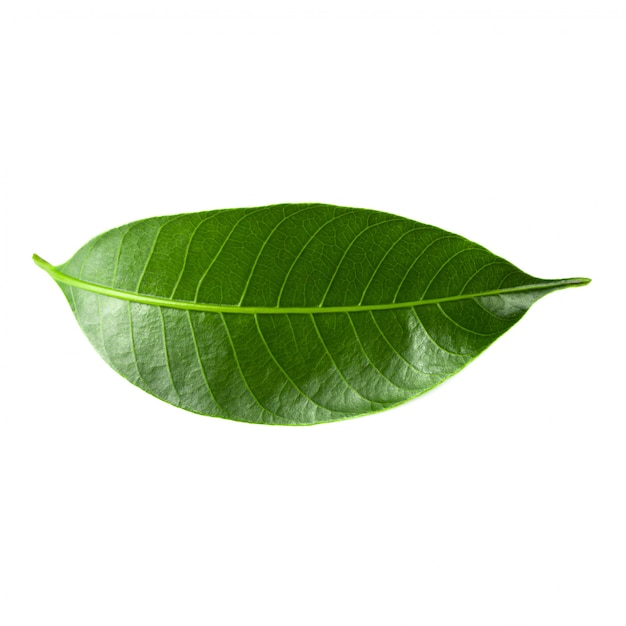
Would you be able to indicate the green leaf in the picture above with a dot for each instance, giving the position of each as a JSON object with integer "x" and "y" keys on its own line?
{"x": 293, "y": 313}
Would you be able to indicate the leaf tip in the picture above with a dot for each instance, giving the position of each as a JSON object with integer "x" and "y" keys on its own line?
{"x": 579, "y": 282}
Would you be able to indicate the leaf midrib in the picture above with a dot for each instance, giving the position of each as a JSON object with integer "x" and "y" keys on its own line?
{"x": 186, "y": 305}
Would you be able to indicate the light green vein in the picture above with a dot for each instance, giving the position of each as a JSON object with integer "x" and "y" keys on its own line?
{"x": 446, "y": 262}
{"x": 394, "y": 349}
{"x": 244, "y": 378}
{"x": 288, "y": 377}
{"x": 478, "y": 303}
{"x": 201, "y": 364}
{"x": 118, "y": 255}
{"x": 362, "y": 347}
{"x": 417, "y": 258}
{"x": 305, "y": 246}
{"x": 105, "y": 354}
{"x": 167, "y": 357}
{"x": 349, "y": 247}
{"x": 187, "y": 305}
{"x": 469, "y": 330}
{"x": 82, "y": 265}
{"x": 153, "y": 247}
{"x": 389, "y": 251}
{"x": 221, "y": 248}
{"x": 133, "y": 350}
{"x": 186, "y": 255}
{"x": 332, "y": 360}
{"x": 265, "y": 242}
{"x": 466, "y": 355}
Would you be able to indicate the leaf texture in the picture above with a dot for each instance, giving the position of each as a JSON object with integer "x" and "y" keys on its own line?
{"x": 292, "y": 313}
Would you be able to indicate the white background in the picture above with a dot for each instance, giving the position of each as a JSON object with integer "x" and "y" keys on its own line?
{"x": 499, "y": 497}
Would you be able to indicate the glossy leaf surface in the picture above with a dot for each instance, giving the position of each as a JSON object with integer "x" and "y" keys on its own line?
{"x": 294, "y": 313}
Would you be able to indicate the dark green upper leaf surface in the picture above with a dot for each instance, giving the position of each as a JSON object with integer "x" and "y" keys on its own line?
{"x": 291, "y": 314}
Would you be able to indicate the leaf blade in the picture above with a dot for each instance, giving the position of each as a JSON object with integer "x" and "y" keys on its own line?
{"x": 292, "y": 314}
